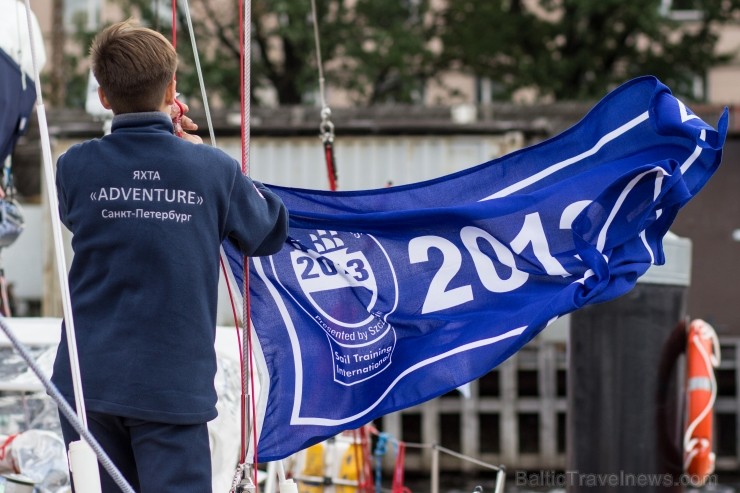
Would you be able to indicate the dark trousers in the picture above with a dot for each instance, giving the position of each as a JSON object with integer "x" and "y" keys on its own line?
{"x": 153, "y": 457}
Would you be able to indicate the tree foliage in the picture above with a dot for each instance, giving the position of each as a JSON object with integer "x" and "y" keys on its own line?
{"x": 386, "y": 52}
{"x": 376, "y": 50}
{"x": 381, "y": 51}
{"x": 578, "y": 49}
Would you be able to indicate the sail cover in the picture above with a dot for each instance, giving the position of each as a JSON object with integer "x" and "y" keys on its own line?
{"x": 17, "y": 89}
{"x": 17, "y": 97}
{"x": 383, "y": 299}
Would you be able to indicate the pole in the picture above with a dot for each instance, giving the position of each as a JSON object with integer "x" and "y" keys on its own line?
{"x": 435, "y": 469}
{"x": 500, "y": 481}
{"x": 56, "y": 223}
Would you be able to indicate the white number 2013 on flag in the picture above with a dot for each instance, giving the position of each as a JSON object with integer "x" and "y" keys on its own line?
{"x": 439, "y": 297}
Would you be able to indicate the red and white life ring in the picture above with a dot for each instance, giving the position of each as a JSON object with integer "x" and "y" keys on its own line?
{"x": 702, "y": 357}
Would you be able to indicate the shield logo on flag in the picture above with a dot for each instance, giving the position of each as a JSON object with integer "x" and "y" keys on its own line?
{"x": 329, "y": 271}
{"x": 348, "y": 288}
{"x": 342, "y": 266}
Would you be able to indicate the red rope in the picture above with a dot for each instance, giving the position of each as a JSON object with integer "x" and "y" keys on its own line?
{"x": 247, "y": 301}
{"x": 368, "y": 481}
{"x": 243, "y": 451}
{"x": 233, "y": 309}
{"x": 331, "y": 165}
{"x": 397, "y": 486}
{"x": 241, "y": 84}
{"x": 254, "y": 396}
{"x": 6, "y": 443}
{"x": 238, "y": 338}
{"x": 174, "y": 24}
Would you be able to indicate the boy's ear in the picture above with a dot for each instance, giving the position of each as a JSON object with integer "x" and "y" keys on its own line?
{"x": 103, "y": 98}
{"x": 169, "y": 93}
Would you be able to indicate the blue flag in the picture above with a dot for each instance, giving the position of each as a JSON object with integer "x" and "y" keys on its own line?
{"x": 383, "y": 299}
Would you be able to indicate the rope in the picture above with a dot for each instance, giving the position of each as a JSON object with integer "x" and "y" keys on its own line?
{"x": 249, "y": 412}
{"x": 322, "y": 92}
{"x": 237, "y": 477}
{"x": 5, "y": 448}
{"x": 246, "y": 78}
{"x": 174, "y": 24}
{"x": 222, "y": 260}
{"x": 367, "y": 469}
{"x": 397, "y": 485}
{"x": 243, "y": 350}
{"x": 56, "y": 224}
{"x": 199, "y": 71}
{"x": 67, "y": 411}
{"x": 243, "y": 342}
{"x": 233, "y": 308}
{"x": 331, "y": 165}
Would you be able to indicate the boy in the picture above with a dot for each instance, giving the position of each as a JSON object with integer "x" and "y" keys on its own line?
{"x": 148, "y": 212}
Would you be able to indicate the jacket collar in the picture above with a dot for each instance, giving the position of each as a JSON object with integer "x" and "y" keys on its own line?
{"x": 153, "y": 119}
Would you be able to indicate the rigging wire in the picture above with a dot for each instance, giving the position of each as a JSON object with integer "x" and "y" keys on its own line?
{"x": 156, "y": 7}
{"x": 244, "y": 342}
{"x": 67, "y": 410}
{"x": 56, "y": 224}
{"x": 206, "y": 108}
{"x": 199, "y": 71}
{"x": 319, "y": 63}
{"x": 246, "y": 80}
{"x": 249, "y": 429}
{"x": 326, "y": 128}
{"x": 79, "y": 421}
{"x": 222, "y": 257}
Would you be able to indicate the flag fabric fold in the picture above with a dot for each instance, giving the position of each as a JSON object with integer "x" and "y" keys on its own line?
{"x": 383, "y": 299}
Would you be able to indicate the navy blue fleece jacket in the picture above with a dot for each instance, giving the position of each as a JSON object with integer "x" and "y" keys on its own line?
{"x": 148, "y": 212}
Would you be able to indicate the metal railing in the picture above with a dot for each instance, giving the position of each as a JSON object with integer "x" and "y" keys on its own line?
{"x": 516, "y": 415}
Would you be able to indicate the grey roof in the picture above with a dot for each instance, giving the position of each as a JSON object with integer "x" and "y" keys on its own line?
{"x": 535, "y": 121}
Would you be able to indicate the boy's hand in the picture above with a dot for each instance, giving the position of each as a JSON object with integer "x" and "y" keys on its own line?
{"x": 186, "y": 124}
{"x": 182, "y": 123}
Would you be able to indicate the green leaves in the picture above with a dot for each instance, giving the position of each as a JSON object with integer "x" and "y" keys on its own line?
{"x": 579, "y": 49}
{"x": 381, "y": 51}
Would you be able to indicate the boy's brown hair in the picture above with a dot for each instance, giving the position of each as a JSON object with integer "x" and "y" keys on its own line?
{"x": 133, "y": 66}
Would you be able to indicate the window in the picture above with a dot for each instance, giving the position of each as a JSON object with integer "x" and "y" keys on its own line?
{"x": 449, "y": 431}
{"x": 488, "y": 385}
{"x": 682, "y": 10}
{"x": 84, "y": 12}
{"x": 529, "y": 433}
{"x": 490, "y": 435}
